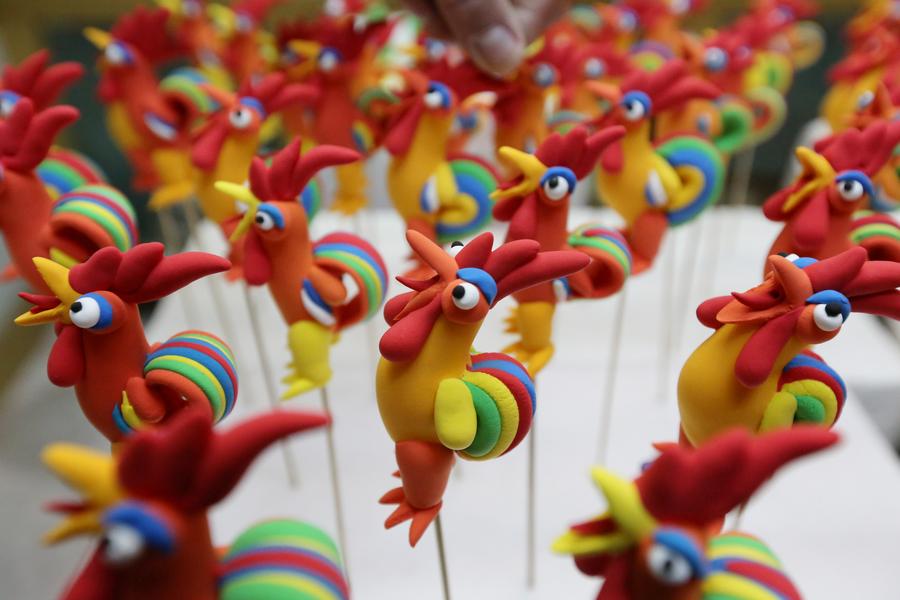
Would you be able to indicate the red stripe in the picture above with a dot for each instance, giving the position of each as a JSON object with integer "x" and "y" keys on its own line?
{"x": 212, "y": 354}
{"x": 523, "y": 401}
{"x": 775, "y": 580}
{"x": 78, "y": 164}
{"x": 273, "y": 558}
{"x": 126, "y": 218}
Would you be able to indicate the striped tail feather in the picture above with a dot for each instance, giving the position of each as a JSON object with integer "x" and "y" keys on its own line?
{"x": 311, "y": 199}
{"x": 358, "y": 263}
{"x": 475, "y": 181}
{"x": 769, "y": 113}
{"x": 704, "y": 161}
{"x": 878, "y": 233}
{"x": 819, "y": 390}
{"x": 195, "y": 366}
{"x": 743, "y": 568}
{"x": 64, "y": 170}
{"x": 185, "y": 86}
{"x": 283, "y": 560}
{"x": 88, "y": 218}
{"x": 505, "y": 401}
{"x": 611, "y": 261}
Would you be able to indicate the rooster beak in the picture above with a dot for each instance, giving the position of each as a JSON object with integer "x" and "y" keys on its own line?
{"x": 99, "y": 38}
{"x": 243, "y": 195}
{"x": 605, "y": 91}
{"x": 793, "y": 281}
{"x": 528, "y": 165}
{"x": 433, "y": 255}
{"x": 817, "y": 169}
{"x": 56, "y": 277}
{"x": 91, "y": 474}
{"x": 625, "y": 503}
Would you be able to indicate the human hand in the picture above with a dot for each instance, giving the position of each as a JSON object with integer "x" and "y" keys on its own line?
{"x": 493, "y": 32}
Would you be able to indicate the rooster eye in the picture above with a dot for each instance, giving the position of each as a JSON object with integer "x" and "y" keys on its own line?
{"x": 853, "y": 185}
{"x": 328, "y": 60}
{"x": 635, "y": 105}
{"x": 558, "y": 182}
{"x": 117, "y": 54}
{"x": 240, "y": 117}
{"x": 715, "y": 59}
{"x": 91, "y": 311}
{"x": 865, "y": 99}
{"x": 465, "y": 296}
{"x": 594, "y": 68}
{"x": 455, "y": 247}
{"x": 544, "y": 75}
{"x": 122, "y": 544}
{"x": 828, "y": 317}
{"x": 264, "y": 221}
{"x": 668, "y": 566}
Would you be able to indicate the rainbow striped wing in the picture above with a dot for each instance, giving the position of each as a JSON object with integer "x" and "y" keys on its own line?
{"x": 283, "y": 560}
{"x": 744, "y": 568}
{"x": 504, "y": 396}
{"x": 611, "y": 260}
{"x": 476, "y": 180}
{"x": 64, "y": 170}
{"x": 198, "y": 366}
{"x": 311, "y": 199}
{"x": 696, "y": 153}
{"x": 185, "y": 86}
{"x": 819, "y": 390}
{"x": 99, "y": 214}
{"x": 348, "y": 255}
{"x": 879, "y": 234}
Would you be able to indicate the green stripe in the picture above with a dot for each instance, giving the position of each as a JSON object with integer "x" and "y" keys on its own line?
{"x": 740, "y": 540}
{"x": 208, "y": 338}
{"x": 111, "y": 194}
{"x": 875, "y": 229}
{"x": 102, "y": 216}
{"x": 287, "y": 532}
{"x": 607, "y": 246}
{"x": 476, "y": 170}
{"x": 193, "y": 374}
{"x": 373, "y": 283}
{"x": 489, "y": 426}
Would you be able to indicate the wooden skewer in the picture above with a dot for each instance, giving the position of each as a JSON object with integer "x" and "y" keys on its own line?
{"x": 531, "y": 546}
{"x": 612, "y": 369}
{"x": 335, "y": 481}
{"x": 665, "y": 348}
{"x": 442, "y": 556}
{"x": 169, "y": 229}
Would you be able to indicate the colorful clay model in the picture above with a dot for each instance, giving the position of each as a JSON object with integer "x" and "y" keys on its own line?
{"x": 225, "y": 145}
{"x": 756, "y": 371}
{"x": 536, "y": 205}
{"x": 149, "y": 505}
{"x": 441, "y": 195}
{"x": 334, "y": 54}
{"x": 660, "y": 24}
{"x": 122, "y": 382}
{"x": 590, "y": 62}
{"x": 784, "y": 39}
{"x": 436, "y": 397}
{"x": 821, "y": 206}
{"x": 321, "y": 287}
{"x": 660, "y": 539}
{"x": 615, "y": 24}
{"x": 656, "y": 184}
{"x": 34, "y": 78}
{"x": 882, "y": 104}
{"x": 247, "y": 50}
{"x": 76, "y": 224}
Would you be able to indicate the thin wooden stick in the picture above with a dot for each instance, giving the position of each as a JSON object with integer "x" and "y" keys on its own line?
{"x": 665, "y": 348}
{"x": 531, "y": 563}
{"x": 290, "y": 464}
{"x": 612, "y": 369}
{"x": 335, "y": 481}
{"x": 169, "y": 229}
{"x": 743, "y": 169}
{"x": 688, "y": 272}
{"x": 442, "y": 556}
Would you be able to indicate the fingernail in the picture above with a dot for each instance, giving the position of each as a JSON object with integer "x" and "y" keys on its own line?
{"x": 497, "y": 50}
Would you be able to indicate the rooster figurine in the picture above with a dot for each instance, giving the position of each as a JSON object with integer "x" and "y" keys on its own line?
{"x": 756, "y": 370}
{"x": 536, "y": 205}
{"x": 656, "y": 184}
{"x": 820, "y": 208}
{"x": 33, "y": 225}
{"x": 148, "y": 506}
{"x": 660, "y": 537}
{"x": 122, "y": 382}
{"x": 441, "y": 195}
{"x": 321, "y": 287}
{"x": 436, "y": 397}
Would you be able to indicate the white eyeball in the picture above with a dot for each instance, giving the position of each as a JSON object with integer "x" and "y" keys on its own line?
{"x": 556, "y": 187}
{"x": 715, "y": 58}
{"x": 668, "y": 566}
{"x": 434, "y": 99}
{"x": 429, "y": 200}
{"x": 6, "y": 107}
{"x": 328, "y": 61}
{"x": 594, "y": 68}
{"x": 264, "y": 220}
{"x": 465, "y": 296}
{"x": 115, "y": 54}
{"x": 865, "y": 99}
{"x": 240, "y": 117}
{"x": 85, "y": 312}
{"x": 828, "y": 316}
{"x": 544, "y": 75}
{"x": 122, "y": 544}
{"x": 455, "y": 247}
{"x": 850, "y": 189}
{"x": 634, "y": 109}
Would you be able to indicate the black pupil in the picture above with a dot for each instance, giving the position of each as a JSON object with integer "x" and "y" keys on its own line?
{"x": 76, "y": 307}
{"x": 848, "y": 186}
{"x": 260, "y": 219}
{"x": 833, "y": 309}
{"x": 668, "y": 566}
{"x": 553, "y": 182}
{"x": 458, "y": 292}
{"x": 456, "y": 244}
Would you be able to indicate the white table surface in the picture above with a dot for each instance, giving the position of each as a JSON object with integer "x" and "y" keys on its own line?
{"x": 834, "y": 519}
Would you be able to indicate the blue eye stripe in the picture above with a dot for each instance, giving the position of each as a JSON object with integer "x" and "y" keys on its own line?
{"x": 860, "y": 177}
{"x": 106, "y": 311}
{"x": 442, "y": 89}
{"x": 134, "y": 514}
{"x": 251, "y": 102}
{"x": 640, "y": 97}
{"x": 826, "y": 296}
{"x": 480, "y": 279}
{"x": 273, "y": 212}
{"x": 684, "y": 546}
{"x": 563, "y": 172}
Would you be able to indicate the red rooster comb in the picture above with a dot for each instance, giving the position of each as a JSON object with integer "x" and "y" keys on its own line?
{"x": 274, "y": 92}
{"x": 143, "y": 273}
{"x": 188, "y": 464}
{"x": 670, "y": 85}
{"x": 37, "y": 81}
{"x": 291, "y": 171}
{"x": 146, "y": 30}
{"x": 578, "y": 150}
{"x": 867, "y": 150}
{"x": 700, "y": 486}
{"x": 26, "y": 137}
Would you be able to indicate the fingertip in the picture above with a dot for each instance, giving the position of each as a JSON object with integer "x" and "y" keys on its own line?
{"x": 497, "y": 49}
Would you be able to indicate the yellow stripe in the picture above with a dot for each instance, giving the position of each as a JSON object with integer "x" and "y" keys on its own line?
{"x": 210, "y": 340}
{"x": 506, "y": 404}
{"x": 743, "y": 552}
{"x": 313, "y": 589}
{"x": 728, "y": 584}
{"x": 310, "y": 544}
{"x": 61, "y": 258}
{"x": 129, "y": 415}
{"x": 100, "y": 213}
{"x": 816, "y": 389}
{"x": 206, "y": 372}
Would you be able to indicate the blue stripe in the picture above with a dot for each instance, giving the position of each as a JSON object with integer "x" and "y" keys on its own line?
{"x": 513, "y": 369}
{"x": 54, "y": 178}
{"x": 106, "y": 206}
{"x": 802, "y": 360}
{"x": 315, "y": 297}
{"x": 723, "y": 565}
{"x": 120, "y": 421}
{"x": 356, "y": 251}
{"x": 704, "y": 160}
{"x": 600, "y": 232}
{"x": 217, "y": 370}
{"x": 472, "y": 186}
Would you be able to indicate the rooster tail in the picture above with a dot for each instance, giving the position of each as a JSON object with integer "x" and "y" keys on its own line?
{"x": 611, "y": 261}
{"x": 64, "y": 170}
{"x": 879, "y": 234}
{"x": 195, "y": 366}
{"x": 504, "y": 396}
{"x": 354, "y": 260}
{"x": 475, "y": 181}
{"x": 819, "y": 390}
{"x": 742, "y": 563}
{"x": 88, "y": 218}
{"x": 703, "y": 161}
{"x": 283, "y": 559}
